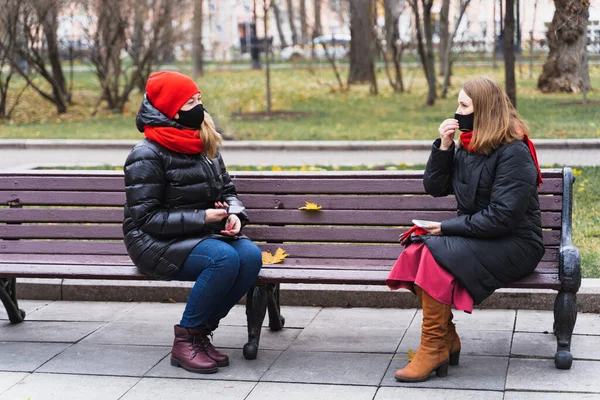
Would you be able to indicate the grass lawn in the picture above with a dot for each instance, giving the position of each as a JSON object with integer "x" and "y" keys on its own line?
{"x": 352, "y": 115}
{"x": 586, "y": 219}
{"x": 586, "y": 207}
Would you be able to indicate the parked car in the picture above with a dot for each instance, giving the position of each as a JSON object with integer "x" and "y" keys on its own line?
{"x": 337, "y": 45}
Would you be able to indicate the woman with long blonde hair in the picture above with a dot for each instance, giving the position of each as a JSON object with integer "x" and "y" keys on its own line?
{"x": 183, "y": 217}
{"x": 496, "y": 237}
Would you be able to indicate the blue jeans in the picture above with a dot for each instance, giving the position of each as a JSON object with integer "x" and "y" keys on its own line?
{"x": 224, "y": 271}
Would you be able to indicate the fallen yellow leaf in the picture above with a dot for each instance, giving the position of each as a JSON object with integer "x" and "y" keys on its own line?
{"x": 276, "y": 258}
{"x": 311, "y": 207}
{"x": 411, "y": 354}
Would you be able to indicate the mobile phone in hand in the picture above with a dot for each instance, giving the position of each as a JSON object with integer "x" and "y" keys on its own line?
{"x": 235, "y": 209}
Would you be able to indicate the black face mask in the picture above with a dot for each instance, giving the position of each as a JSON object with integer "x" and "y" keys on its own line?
{"x": 465, "y": 122}
{"x": 192, "y": 118}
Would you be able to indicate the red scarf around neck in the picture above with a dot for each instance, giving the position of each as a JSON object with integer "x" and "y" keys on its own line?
{"x": 465, "y": 139}
{"x": 183, "y": 141}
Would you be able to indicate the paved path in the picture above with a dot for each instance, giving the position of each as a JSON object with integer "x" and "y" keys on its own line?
{"x": 19, "y": 154}
{"x": 78, "y": 350}
{"x": 342, "y": 63}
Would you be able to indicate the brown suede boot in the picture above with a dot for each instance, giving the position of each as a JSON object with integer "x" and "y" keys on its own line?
{"x": 432, "y": 354}
{"x": 188, "y": 354}
{"x": 453, "y": 342}
{"x": 452, "y": 339}
{"x": 221, "y": 359}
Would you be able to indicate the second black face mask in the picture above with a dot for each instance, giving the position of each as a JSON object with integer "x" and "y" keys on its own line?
{"x": 465, "y": 122}
{"x": 192, "y": 118}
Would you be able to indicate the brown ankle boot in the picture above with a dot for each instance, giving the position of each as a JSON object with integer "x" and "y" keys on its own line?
{"x": 189, "y": 355}
{"x": 453, "y": 342}
{"x": 432, "y": 354}
{"x": 203, "y": 338}
{"x": 452, "y": 339}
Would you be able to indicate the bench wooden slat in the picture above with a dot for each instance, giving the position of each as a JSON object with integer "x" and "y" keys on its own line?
{"x": 352, "y": 186}
{"x": 370, "y": 202}
{"x": 263, "y": 201}
{"x": 388, "y": 185}
{"x": 63, "y": 247}
{"x": 65, "y": 271}
{"x": 267, "y": 275}
{"x": 258, "y": 233}
{"x": 65, "y": 198}
{"x": 58, "y": 183}
{"x": 289, "y": 217}
{"x": 378, "y": 174}
{"x": 333, "y": 254}
{"x": 334, "y": 264}
{"x": 551, "y": 255}
{"x": 330, "y": 253}
{"x": 534, "y": 280}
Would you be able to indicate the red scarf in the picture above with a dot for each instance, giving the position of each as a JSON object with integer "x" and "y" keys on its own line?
{"x": 465, "y": 139}
{"x": 183, "y": 141}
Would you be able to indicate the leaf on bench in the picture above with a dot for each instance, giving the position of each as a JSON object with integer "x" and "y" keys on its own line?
{"x": 311, "y": 207}
{"x": 276, "y": 258}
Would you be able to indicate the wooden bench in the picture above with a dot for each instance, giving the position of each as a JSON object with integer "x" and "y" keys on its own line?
{"x": 67, "y": 224}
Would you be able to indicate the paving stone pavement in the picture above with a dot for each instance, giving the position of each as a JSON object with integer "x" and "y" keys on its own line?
{"x": 102, "y": 350}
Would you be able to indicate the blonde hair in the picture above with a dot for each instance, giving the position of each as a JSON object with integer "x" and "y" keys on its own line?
{"x": 496, "y": 121}
{"x": 210, "y": 137}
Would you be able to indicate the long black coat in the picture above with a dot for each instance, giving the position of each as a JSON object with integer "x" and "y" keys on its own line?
{"x": 167, "y": 195}
{"x": 497, "y": 236}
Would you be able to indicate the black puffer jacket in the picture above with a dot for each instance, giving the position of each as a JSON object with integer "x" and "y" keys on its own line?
{"x": 496, "y": 237}
{"x": 167, "y": 193}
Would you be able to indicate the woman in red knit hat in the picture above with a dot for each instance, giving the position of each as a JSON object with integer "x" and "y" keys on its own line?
{"x": 183, "y": 217}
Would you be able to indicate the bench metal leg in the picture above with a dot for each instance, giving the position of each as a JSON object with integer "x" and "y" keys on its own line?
{"x": 276, "y": 320}
{"x": 256, "y": 308}
{"x": 8, "y": 295}
{"x": 259, "y": 299}
{"x": 565, "y": 315}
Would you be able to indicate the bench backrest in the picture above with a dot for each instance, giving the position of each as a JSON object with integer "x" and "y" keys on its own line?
{"x": 76, "y": 216}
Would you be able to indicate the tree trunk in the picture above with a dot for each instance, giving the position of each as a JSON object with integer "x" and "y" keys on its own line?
{"x": 531, "y": 42}
{"x": 446, "y": 64}
{"x": 290, "y": 7}
{"x": 139, "y": 17}
{"x": 197, "y": 48}
{"x": 277, "y": 14}
{"x": 425, "y": 49}
{"x": 167, "y": 55}
{"x": 444, "y": 35}
{"x": 303, "y": 23}
{"x": 362, "y": 43}
{"x": 318, "y": 28}
{"x": 267, "y": 51}
{"x": 392, "y": 37}
{"x": 509, "y": 52}
{"x": 428, "y": 30}
{"x": 564, "y": 69}
{"x": 59, "y": 84}
{"x": 494, "y": 61}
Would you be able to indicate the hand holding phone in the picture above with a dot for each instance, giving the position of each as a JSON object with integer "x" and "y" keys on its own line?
{"x": 232, "y": 226}
{"x": 235, "y": 209}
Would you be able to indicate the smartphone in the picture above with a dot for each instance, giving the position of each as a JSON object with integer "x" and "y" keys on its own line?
{"x": 235, "y": 209}
{"x": 423, "y": 224}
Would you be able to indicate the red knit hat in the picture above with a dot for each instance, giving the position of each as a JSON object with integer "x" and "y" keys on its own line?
{"x": 168, "y": 91}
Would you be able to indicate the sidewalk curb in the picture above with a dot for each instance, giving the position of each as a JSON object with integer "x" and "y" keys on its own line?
{"x": 275, "y": 145}
{"x": 291, "y": 294}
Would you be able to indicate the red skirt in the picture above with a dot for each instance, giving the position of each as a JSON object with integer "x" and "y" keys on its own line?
{"x": 416, "y": 266}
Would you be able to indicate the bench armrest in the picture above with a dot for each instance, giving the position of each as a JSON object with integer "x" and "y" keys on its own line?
{"x": 570, "y": 269}
{"x": 570, "y": 260}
